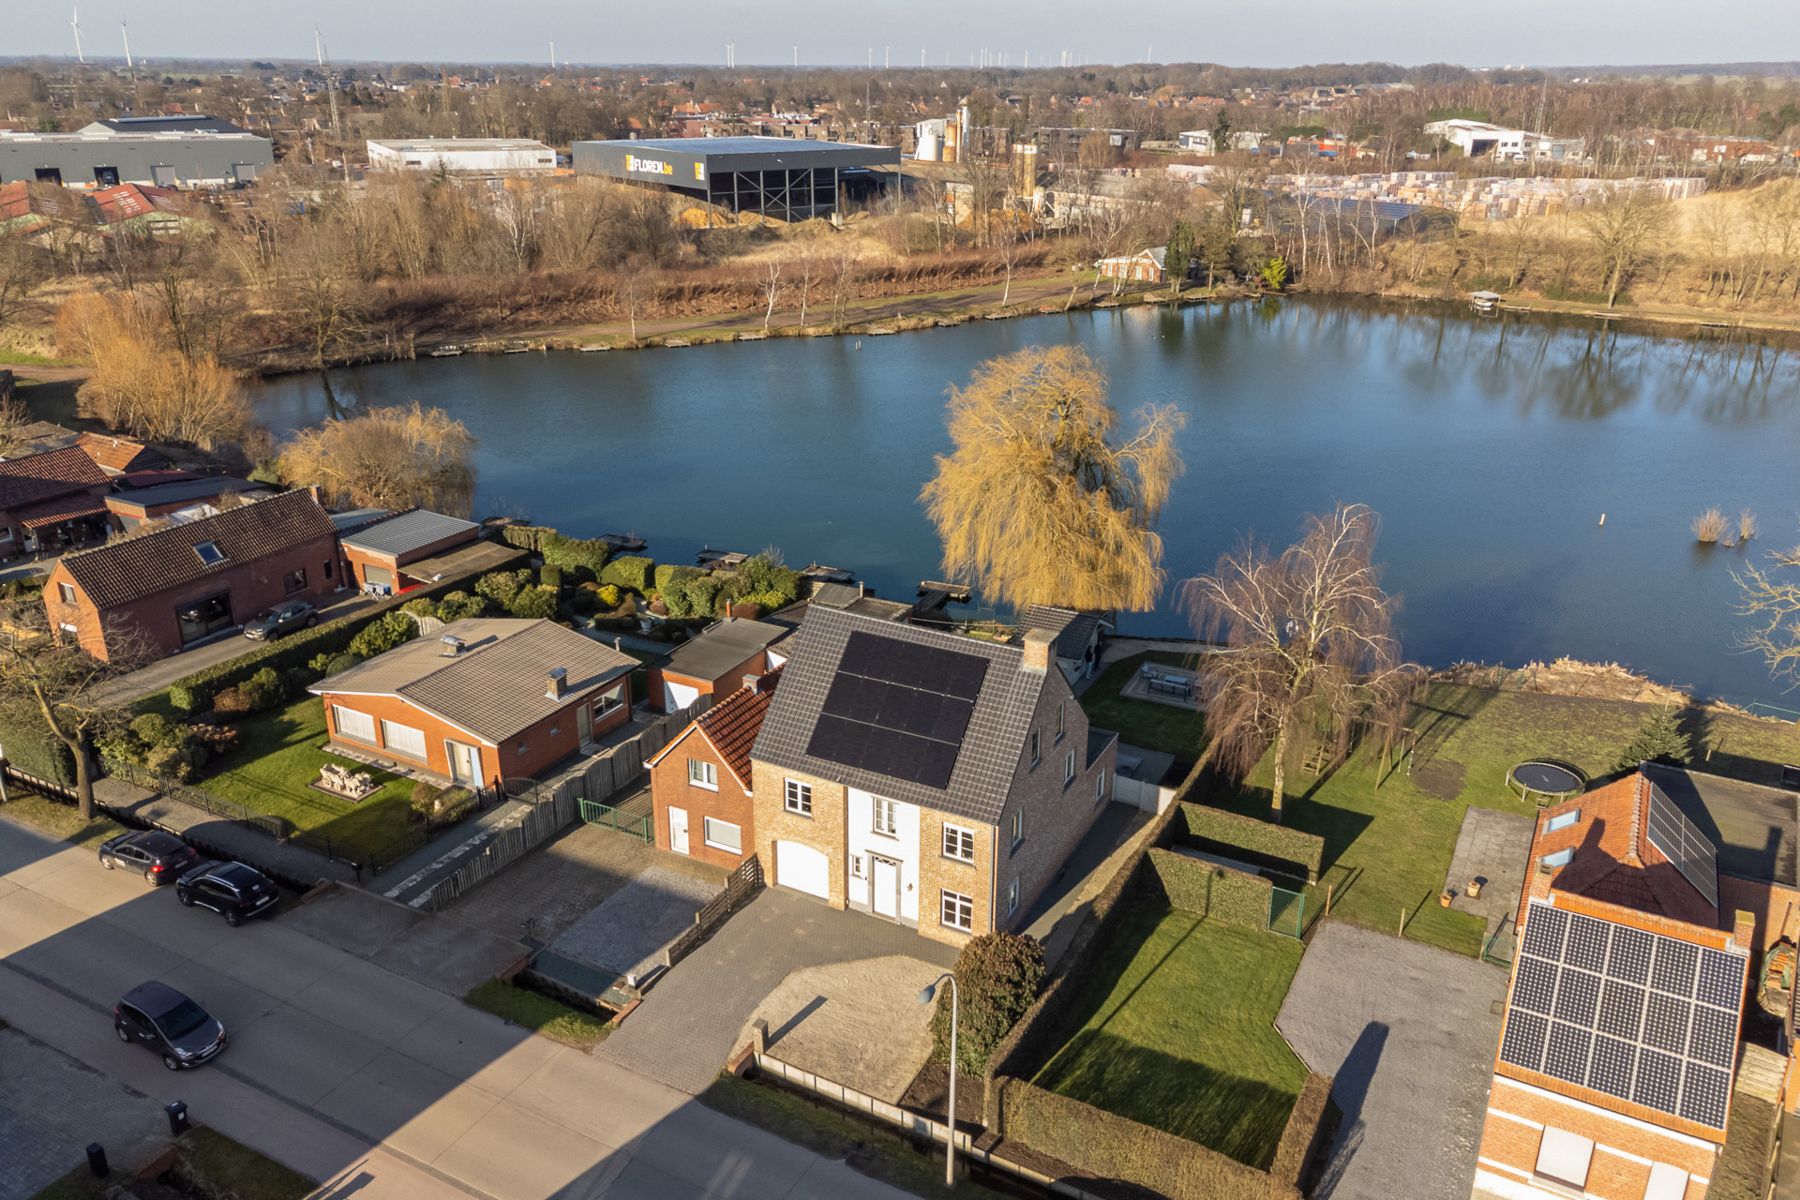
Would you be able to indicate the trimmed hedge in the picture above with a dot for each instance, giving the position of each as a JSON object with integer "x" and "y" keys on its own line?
{"x": 632, "y": 572}
{"x": 1109, "y": 1146}
{"x": 1220, "y": 893}
{"x": 1300, "y": 1137}
{"x": 31, "y": 748}
{"x": 525, "y": 537}
{"x": 1259, "y": 843}
{"x": 583, "y": 558}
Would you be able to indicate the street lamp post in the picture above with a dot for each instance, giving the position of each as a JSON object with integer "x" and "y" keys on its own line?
{"x": 926, "y": 995}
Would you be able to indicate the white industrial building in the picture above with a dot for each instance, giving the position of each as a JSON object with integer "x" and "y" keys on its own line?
{"x": 462, "y": 156}
{"x": 1478, "y": 139}
{"x": 1200, "y": 141}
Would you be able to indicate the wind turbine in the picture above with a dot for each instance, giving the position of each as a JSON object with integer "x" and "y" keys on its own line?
{"x": 75, "y": 24}
{"x": 126, "y": 34}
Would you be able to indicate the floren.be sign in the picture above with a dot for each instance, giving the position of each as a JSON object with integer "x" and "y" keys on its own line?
{"x": 648, "y": 166}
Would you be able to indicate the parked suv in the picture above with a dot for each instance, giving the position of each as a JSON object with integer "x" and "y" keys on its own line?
{"x": 282, "y": 619}
{"x": 156, "y": 1015}
{"x": 231, "y": 889}
{"x": 161, "y": 857}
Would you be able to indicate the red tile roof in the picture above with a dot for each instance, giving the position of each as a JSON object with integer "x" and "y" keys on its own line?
{"x": 55, "y": 512}
{"x": 39, "y": 477}
{"x": 119, "y": 454}
{"x": 732, "y": 724}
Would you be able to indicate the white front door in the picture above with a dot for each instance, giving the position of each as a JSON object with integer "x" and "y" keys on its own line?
{"x": 884, "y": 895}
{"x": 678, "y": 841}
{"x": 465, "y": 763}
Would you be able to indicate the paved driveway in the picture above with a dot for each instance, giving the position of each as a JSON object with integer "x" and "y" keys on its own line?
{"x": 340, "y": 1067}
{"x": 51, "y": 1107}
{"x": 688, "y": 1024}
{"x": 1409, "y": 1033}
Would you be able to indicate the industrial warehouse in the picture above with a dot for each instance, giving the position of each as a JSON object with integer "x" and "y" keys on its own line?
{"x": 462, "y": 156}
{"x": 190, "y": 151}
{"x": 783, "y": 178}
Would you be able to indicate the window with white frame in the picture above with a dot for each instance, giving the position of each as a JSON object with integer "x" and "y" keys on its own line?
{"x": 1012, "y": 897}
{"x": 702, "y": 774}
{"x": 1562, "y": 820}
{"x": 723, "y": 835}
{"x": 1099, "y": 786}
{"x": 66, "y": 591}
{"x": 1561, "y": 858}
{"x": 798, "y": 799}
{"x": 1069, "y": 768}
{"x": 1018, "y": 829}
{"x": 959, "y": 843}
{"x": 357, "y": 726}
{"x": 606, "y": 701}
{"x": 886, "y": 818}
{"x": 403, "y": 739}
{"x": 1062, "y": 720}
{"x": 1564, "y": 1157}
{"x": 957, "y": 911}
{"x": 856, "y": 866}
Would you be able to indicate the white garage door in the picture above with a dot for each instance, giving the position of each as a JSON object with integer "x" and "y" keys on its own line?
{"x": 802, "y": 868}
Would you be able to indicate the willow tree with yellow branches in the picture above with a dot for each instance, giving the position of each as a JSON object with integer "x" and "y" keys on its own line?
{"x": 1041, "y": 500}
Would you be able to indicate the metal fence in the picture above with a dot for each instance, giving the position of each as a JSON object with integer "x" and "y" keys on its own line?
{"x": 608, "y": 817}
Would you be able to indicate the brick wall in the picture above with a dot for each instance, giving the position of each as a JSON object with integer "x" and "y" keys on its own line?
{"x": 823, "y": 831}
{"x": 938, "y": 874}
{"x": 669, "y": 785}
{"x": 255, "y": 587}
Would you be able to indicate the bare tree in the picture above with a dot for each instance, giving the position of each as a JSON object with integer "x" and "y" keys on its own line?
{"x": 62, "y": 685}
{"x": 1008, "y": 248}
{"x": 15, "y": 418}
{"x": 1038, "y": 500}
{"x": 23, "y": 269}
{"x": 1770, "y": 597}
{"x": 1307, "y": 643}
{"x": 808, "y": 267}
{"x": 843, "y": 284}
{"x": 771, "y": 286}
{"x": 1624, "y": 229}
{"x": 323, "y": 299}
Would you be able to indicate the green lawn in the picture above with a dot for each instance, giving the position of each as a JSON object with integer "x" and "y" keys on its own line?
{"x": 1153, "y": 726}
{"x": 1179, "y": 1032}
{"x": 539, "y": 1013}
{"x": 208, "y": 1164}
{"x": 274, "y": 765}
{"x": 57, "y": 819}
{"x": 1388, "y": 848}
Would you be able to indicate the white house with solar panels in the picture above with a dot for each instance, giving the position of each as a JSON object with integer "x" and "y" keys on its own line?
{"x": 1646, "y": 903}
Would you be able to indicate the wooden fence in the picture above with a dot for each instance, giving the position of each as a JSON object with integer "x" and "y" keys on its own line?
{"x": 539, "y": 823}
{"x": 740, "y": 888}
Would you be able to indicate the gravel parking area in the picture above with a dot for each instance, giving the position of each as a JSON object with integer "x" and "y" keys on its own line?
{"x": 1409, "y": 1032}
{"x": 53, "y": 1106}
{"x": 627, "y": 931}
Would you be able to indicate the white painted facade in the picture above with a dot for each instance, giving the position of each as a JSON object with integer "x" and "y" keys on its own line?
{"x": 481, "y": 156}
{"x": 883, "y": 870}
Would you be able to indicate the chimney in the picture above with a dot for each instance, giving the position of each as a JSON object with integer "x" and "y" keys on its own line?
{"x": 453, "y": 645}
{"x": 553, "y": 689}
{"x": 751, "y": 681}
{"x": 1037, "y": 649}
{"x": 1743, "y": 931}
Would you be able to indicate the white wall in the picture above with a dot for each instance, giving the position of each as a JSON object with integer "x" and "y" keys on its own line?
{"x": 864, "y": 841}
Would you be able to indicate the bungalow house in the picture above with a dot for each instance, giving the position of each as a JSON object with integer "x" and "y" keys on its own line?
{"x": 927, "y": 778}
{"x": 178, "y": 500}
{"x": 700, "y": 789}
{"x": 1620, "y": 1043}
{"x": 1077, "y": 637}
{"x": 174, "y": 588}
{"x": 120, "y": 456}
{"x": 51, "y": 501}
{"x": 1146, "y": 266}
{"x": 377, "y": 552}
{"x": 488, "y": 699}
{"x": 713, "y": 663}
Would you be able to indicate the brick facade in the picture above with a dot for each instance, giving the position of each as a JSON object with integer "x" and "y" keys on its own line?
{"x": 670, "y": 786}
{"x": 723, "y": 685}
{"x": 1624, "y": 1149}
{"x": 254, "y": 587}
{"x": 824, "y": 831}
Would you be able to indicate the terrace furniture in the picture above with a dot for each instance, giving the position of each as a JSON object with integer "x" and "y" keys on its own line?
{"x": 342, "y": 781}
{"x": 1175, "y": 685}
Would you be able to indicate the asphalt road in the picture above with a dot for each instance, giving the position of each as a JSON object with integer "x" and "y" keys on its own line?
{"x": 347, "y": 1071}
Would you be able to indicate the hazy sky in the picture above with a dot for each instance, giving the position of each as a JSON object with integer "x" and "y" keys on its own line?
{"x": 1237, "y": 32}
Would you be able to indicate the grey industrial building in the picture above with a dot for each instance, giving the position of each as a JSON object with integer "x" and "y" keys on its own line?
{"x": 182, "y": 151}
{"x": 784, "y": 178}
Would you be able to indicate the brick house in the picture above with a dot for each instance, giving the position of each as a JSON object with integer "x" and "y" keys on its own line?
{"x": 714, "y": 663}
{"x": 377, "y": 552}
{"x": 1078, "y": 636}
{"x": 1619, "y": 1049}
{"x": 176, "y": 498}
{"x": 177, "y": 587}
{"x": 51, "y": 500}
{"x": 700, "y": 783}
{"x": 486, "y": 700}
{"x": 1146, "y": 266}
{"x": 924, "y": 777}
{"x": 119, "y": 455}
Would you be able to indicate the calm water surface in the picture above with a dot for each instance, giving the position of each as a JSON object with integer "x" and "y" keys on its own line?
{"x": 1491, "y": 449}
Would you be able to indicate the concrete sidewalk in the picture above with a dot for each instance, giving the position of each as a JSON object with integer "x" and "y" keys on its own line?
{"x": 415, "y": 875}
{"x": 294, "y": 865}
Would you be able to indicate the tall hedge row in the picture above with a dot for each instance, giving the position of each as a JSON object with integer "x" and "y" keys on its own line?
{"x": 630, "y": 571}
{"x": 30, "y": 747}
{"x": 1259, "y": 843}
{"x": 1219, "y": 893}
{"x": 1109, "y": 1146}
{"x": 1300, "y": 1136}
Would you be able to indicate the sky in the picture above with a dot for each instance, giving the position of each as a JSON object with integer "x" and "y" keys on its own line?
{"x": 845, "y": 32}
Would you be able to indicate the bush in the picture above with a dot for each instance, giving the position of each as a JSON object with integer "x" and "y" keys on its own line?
{"x": 1259, "y": 843}
{"x": 167, "y": 762}
{"x": 672, "y": 585}
{"x": 234, "y": 701}
{"x": 424, "y": 800}
{"x": 551, "y": 577}
{"x": 1658, "y": 739}
{"x": 217, "y": 740}
{"x": 584, "y": 558}
{"x": 383, "y": 634}
{"x": 459, "y": 606}
{"x": 1709, "y": 526}
{"x": 630, "y": 572}
{"x": 582, "y": 600}
{"x": 702, "y": 595}
{"x": 501, "y": 586}
{"x": 264, "y": 690}
{"x": 453, "y": 804}
{"x": 764, "y": 582}
{"x": 998, "y": 976}
{"x": 534, "y": 602}
{"x": 526, "y": 537}
{"x": 342, "y": 662}
{"x": 610, "y": 596}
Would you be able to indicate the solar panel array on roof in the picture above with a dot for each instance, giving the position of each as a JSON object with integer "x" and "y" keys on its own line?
{"x": 1639, "y": 1016}
{"x": 898, "y": 708}
{"x": 1691, "y": 851}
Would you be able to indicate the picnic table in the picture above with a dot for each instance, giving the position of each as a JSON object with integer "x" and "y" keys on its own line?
{"x": 1177, "y": 685}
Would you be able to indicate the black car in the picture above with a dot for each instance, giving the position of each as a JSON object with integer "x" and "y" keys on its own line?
{"x": 282, "y": 619}
{"x": 160, "y": 857}
{"x": 156, "y": 1015}
{"x": 231, "y": 889}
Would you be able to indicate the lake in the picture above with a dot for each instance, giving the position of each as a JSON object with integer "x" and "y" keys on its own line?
{"x": 1490, "y": 446}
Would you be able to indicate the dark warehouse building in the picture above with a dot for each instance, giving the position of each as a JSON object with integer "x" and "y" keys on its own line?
{"x": 785, "y": 178}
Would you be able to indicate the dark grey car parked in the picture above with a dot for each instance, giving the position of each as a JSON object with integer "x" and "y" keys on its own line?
{"x": 160, "y": 857}
{"x": 180, "y": 1031}
{"x": 231, "y": 889}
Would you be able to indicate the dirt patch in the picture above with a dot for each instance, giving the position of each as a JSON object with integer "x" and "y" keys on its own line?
{"x": 927, "y": 1093}
{"x": 1441, "y": 777}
